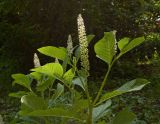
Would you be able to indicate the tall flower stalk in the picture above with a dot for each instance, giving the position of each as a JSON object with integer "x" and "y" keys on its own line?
{"x": 83, "y": 44}
{"x": 84, "y": 61}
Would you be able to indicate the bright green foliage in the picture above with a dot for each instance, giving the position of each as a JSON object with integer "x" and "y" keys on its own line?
{"x": 68, "y": 76}
{"x": 105, "y": 47}
{"x": 56, "y": 96}
{"x": 59, "y": 53}
{"x": 123, "y": 42}
{"x": 22, "y": 79}
{"x": 50, "y": 69}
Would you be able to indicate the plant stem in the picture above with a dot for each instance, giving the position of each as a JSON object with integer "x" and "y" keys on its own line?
{"x": 105, "y": 80}
{"x": 102, "y": 86}
{"x": 90, "y": 108}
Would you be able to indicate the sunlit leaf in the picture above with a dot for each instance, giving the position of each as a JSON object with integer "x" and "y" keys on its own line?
{"x": 104, "y": 48}
{"x": 68, "y": 76}
{"x": 123, "y": 42}
{"x": 51, "y": 69}
{"x": 55, "y": 52}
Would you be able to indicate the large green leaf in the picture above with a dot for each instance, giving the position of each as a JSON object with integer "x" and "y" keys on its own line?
{"x": 124, "y": 117}
{"x": 51, "y": 69}
{"x": 132, "y": 44}
{"x": 55, "y": 112}
{"x": 55, "y": 52}
{"x": 104, "y": 48}
{"x": 101, "y": 110}
{"x": 23, "y": 80}
{"x": 34, "y": 102}
{"x": 130, "y": 86}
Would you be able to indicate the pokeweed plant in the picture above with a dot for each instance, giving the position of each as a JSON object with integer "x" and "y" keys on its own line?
{"x": 59, "y": 93}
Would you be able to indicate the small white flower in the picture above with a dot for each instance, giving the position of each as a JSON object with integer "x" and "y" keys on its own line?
{"x": 36, "y": 60}
{"x": 116, "y": 43}
{"x": 56, "y": 60}
{"x": 69, "y": 45}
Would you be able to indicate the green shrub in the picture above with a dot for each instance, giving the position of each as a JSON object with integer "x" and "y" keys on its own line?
{"x": 59, "y": 92}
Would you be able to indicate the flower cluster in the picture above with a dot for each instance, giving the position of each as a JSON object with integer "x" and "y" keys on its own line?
{"x": 116, "y": 43}
{"x": 69, "y": 45}
{"x": 83, "y": 44}
{"x": 36, "y": 61}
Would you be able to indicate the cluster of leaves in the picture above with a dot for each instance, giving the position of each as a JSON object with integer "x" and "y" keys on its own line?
{"x": 61, "y": 93}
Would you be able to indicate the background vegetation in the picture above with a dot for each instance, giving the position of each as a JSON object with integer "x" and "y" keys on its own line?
{"x": 26, "y": 25}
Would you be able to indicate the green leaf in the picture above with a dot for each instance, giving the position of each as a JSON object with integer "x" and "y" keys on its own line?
{"x": 18, "y": 94}
{"x": 130, "y": 86}
{"x": 68, "y": 76}
{"x": 55, "y": 52}
{"x": 59, "y": 91}
{"x": 45, "y": 83}
{"x": 104, "y": 48}
{"x": 132, "y": 44}
{"x": 23, "y": 80}
{"x": 123, "y": 42}
{"x": 80, "y": 81}
{"x": 55, "y": 112}
{"x": 77, "y": 53}
{"x": 36, "y": 75}
{"x": 80, "y": 105}
{"x": 124, "y": 117}
{"x": 34, "y": 102}
{"x": 90, "y": 38}
{"x": 50, "y": 69}
{"x": 101, "y": 110}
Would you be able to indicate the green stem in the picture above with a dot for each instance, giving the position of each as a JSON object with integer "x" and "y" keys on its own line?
{"x": 90, "y": 108}
{"x": 105, "y": 80}
{"x": 102, "y": 86}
